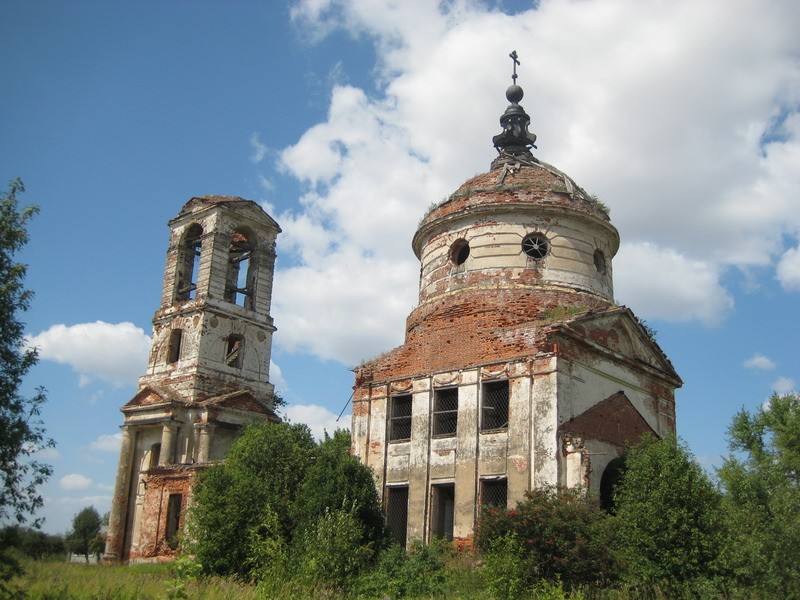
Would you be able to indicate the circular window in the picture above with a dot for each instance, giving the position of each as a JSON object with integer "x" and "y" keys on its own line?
{"x": 459, "y": 251}
{"x": 600, "y": 261}
{"x": 535, "y": 245}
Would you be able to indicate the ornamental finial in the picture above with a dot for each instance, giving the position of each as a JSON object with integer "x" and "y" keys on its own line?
{"x": 515, "y": 139}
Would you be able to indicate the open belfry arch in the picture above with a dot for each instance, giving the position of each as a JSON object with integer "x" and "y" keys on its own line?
{"x": 518, "y": 369}
{"x": 208, "y": 371}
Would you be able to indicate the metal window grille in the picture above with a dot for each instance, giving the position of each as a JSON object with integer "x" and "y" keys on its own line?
{"x": 397, "y": 512}
{"x": 445, "y": 412}
{"x": 494, "y": 492}
{"x": 494, "y": 414}
{"x": 400, "y": 418}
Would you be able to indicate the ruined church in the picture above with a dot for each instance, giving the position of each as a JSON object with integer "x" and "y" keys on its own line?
{"x": 518, "y": 369}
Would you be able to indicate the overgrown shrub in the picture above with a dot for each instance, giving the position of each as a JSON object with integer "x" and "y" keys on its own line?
{"x": 560, "y": 534}
{"x": 419, "y": 572}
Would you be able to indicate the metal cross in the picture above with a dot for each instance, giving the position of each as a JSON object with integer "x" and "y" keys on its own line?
{"x": 513, "y": 57}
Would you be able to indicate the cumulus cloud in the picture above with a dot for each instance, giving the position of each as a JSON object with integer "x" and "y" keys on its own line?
{"x": 788, "y": 269}
{"x": 759, "y": 361}
{"x": 276, "y": 376}
{"x": 784, "y": 385}
{"x": 318, "y": 418}
{"x": 680, "y": 116}
{"x": 107, "y": 443}
{"x": 115, "y": 352}
{"x": 74, "y": 481}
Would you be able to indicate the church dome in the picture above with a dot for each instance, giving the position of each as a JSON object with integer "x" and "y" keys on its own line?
{"x": 524, "y": 225}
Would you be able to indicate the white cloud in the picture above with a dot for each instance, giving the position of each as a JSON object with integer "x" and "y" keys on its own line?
{"x": 259, "y": 149}
{"x": 680, "y": 116}
{"x": 784, "y": 385}
{"x": 788, "y": 269}
{"x": 275, "y": 376}
{"x": 107, "y": 443}
{"x": 759, "y": 361}
{"x": 74, "y": 481}
{"x": 318, "y": 418}
{"x": 115, "y": 352}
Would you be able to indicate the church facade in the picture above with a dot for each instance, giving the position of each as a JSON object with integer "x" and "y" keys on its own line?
{"x": 207, "y": 374}
{"x": 518, "y": 370}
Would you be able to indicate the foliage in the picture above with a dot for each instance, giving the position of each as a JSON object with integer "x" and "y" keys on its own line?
{"x": 762, "y": 500}
{"x": 332, "y": 552}
{"x": 338, "y": 480}
{"x": 83, "y": 538}
{"x": 561, "y": 535}
{"x": 668, "y": 516}
{"x": 259, "y": 477}
{"x": 281, "y": 506}
{"x": 419, "y": 572}
{"x": 21, "y": 431}
{"x": 31, "y": 542}
{"x": 184, "y": 570}
{"x": 506, "y": 568}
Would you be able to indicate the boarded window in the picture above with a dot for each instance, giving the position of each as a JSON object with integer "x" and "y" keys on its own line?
{"x": 188, "y": 263}
{"x": 234, "y": 348}
{"x": 174, "y": 350}
{"x": 174, "y": 518}
{"x": 397, "y": 512}
{"x": 400, "y": 418}
{"x": 494, "y": 405}
{"x": 494, "y": 492}
{"x": 443, "y": 499}
{"x": 445, "y": 412}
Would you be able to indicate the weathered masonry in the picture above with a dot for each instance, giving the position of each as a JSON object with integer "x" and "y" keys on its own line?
{"x": 518, "y": 369}
{"x": 208, "y": 372}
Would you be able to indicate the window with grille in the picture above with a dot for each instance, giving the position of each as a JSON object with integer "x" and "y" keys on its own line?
{"x": 397, "y": 512}
{"x": 494, "y": 492}
{"x": 445, "y": 412}
{"x": 400, "y": 418}
{"x": 494, "y": 407}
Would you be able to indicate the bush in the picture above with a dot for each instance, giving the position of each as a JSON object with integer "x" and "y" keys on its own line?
{"x": 400, "y": 574}
{"x": 560, "y": 534}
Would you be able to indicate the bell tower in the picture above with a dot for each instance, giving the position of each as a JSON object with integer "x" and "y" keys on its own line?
{"x": 207, "y": 374}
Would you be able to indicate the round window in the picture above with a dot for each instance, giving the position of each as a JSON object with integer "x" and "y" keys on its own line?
{"x": 600, "y": 261}
{"x": 535, "y": 245}
{"x": 459, "y": 251}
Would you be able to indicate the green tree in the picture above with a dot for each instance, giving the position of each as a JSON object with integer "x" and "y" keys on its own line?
{"x": 21, "y": 430}
{"x": 761, "y": 479}
{"x": 337, "y": 480}
{"x": 231, "y": 501}
{"x": 669, "y": 518}
{"x": 82, "y": 539}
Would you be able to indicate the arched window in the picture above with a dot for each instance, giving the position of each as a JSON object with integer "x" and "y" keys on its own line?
{"x": 239, "y": 283}
{"x": 174, "y": 348}
{"x": 608, "y": 483}
{"x": 155, "y": 453}
{"x": 234, "y": 349}
{"x": 188, "y": 262}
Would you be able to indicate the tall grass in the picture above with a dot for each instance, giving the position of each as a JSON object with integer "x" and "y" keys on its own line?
{"x": 48, "y": 580}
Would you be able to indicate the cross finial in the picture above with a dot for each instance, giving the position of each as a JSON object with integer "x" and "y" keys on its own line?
{"x": 513, "y": 57}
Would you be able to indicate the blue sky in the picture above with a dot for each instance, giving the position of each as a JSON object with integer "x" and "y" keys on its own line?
{"x": 347, "y": 120}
